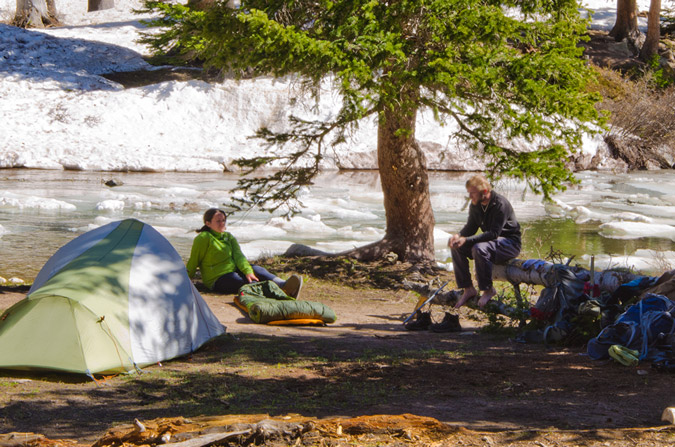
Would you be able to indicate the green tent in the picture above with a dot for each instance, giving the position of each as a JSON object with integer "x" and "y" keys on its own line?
{"x": 114, "y": 299}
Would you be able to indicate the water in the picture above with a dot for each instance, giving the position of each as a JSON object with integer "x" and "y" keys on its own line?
{"x": 624, "y": 220}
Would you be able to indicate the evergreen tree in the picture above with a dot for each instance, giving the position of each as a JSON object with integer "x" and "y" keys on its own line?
{"x": 35, "y": 13}
{"x": 509, "y": 74}
{"x": 626, "y": 24}
{"x": 650, "y": 49}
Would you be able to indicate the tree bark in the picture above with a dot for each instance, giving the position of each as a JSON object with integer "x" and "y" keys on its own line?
{"x": 405, "y": 183}
{"x": 35, "y": 13}
{"x": 100, "y": 5}
{"x": 651, "y": 45}
{"x": 626, "y": 25}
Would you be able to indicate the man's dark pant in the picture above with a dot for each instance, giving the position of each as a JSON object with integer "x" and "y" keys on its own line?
{"x": 485, "y": 255}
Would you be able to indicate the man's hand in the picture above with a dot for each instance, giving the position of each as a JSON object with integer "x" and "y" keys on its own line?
{"x": 456, "y": 241}
{"x": 251, "y": 277}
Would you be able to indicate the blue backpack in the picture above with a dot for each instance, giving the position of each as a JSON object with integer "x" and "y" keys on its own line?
{"x": 640, "y": 327}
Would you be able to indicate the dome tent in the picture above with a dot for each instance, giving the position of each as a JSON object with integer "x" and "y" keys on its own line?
{"x": 112, "y": 300}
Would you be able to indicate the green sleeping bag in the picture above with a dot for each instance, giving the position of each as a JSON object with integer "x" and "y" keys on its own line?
{"x": 265, "y": 302}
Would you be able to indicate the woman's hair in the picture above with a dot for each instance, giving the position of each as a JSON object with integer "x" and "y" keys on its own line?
{"x": 208, "y": 216}
{"x": 480, "y": 182}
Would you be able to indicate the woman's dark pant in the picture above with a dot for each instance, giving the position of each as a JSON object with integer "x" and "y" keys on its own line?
{"x": 484, "y": 255}
{"x": 230, "y": 283}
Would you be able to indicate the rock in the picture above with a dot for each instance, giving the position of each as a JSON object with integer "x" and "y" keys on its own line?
{"x": 113, "y": 182}
{"x": 669, "y": 415}
{"x": 304, "y": 250}
{"x": 391, "y": 258}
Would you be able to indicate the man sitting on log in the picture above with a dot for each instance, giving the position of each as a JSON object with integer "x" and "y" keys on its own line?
{"x": 499, "y": 241}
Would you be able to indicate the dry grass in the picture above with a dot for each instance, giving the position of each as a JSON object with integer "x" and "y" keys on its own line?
{"x": 641, "y": 128}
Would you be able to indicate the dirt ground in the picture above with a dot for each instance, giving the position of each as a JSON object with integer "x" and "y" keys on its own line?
{"x": 363, "y": 380}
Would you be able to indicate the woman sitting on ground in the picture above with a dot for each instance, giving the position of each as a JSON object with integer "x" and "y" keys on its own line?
{"x": 223, "y": 266}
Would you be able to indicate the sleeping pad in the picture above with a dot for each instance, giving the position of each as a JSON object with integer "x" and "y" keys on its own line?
{"x": 266, "y": 303}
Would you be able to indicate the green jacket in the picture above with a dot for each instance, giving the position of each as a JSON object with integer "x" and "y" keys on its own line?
{"x": 216, "y": 254}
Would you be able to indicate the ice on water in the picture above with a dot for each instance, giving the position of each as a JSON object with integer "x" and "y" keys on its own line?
{"x": 58, "y": 112}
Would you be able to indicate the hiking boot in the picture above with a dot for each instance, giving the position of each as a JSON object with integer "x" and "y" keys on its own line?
{"x": 292, "y": 286}
{"x": 450, "y": 323}
{"x": 421, "y": 322}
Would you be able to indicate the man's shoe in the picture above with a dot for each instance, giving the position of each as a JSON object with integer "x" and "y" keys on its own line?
{"x": 292, "y": 286}
{"x": 450, "y": 323}
{"x": 421, "y": 322}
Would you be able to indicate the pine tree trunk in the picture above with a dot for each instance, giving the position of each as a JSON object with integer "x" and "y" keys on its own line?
{"x": 100, "y": 5}
{"x": 405, "y": 183}
{"x": 651, "y": 46}
{"x": 626, "y": 25}
{"x": 35, "y": 13}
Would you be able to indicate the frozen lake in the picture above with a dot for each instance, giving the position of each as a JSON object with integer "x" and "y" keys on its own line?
{"x": 624, "y": 220}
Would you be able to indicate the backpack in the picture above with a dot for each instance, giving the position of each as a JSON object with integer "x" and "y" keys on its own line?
{"x": 641, "y": 327}
{"x": 562, "y": 296}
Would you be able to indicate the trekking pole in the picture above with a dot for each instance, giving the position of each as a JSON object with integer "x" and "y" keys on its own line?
{"x": 592, "y": 275}
{"x": 425, "y": 302}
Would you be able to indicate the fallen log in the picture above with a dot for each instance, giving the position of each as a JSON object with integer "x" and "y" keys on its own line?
{"x": 210, "y": 438}
{"x": 520, "y": 271}
{"x": 533, "y": 272}
{"x": 539, "y": 272}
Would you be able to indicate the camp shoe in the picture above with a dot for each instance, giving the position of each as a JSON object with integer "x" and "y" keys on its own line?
{"x": 421, "y": 322}
{"x": 450, "y": 323}
{"x": 623, "y": 355}
{"x": 292, "y": 286}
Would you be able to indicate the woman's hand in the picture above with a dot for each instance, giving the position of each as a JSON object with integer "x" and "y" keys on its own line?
{"x": 251, "y": 277}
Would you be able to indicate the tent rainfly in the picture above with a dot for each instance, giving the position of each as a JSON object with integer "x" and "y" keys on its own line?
{"x": 112, "y": 300}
